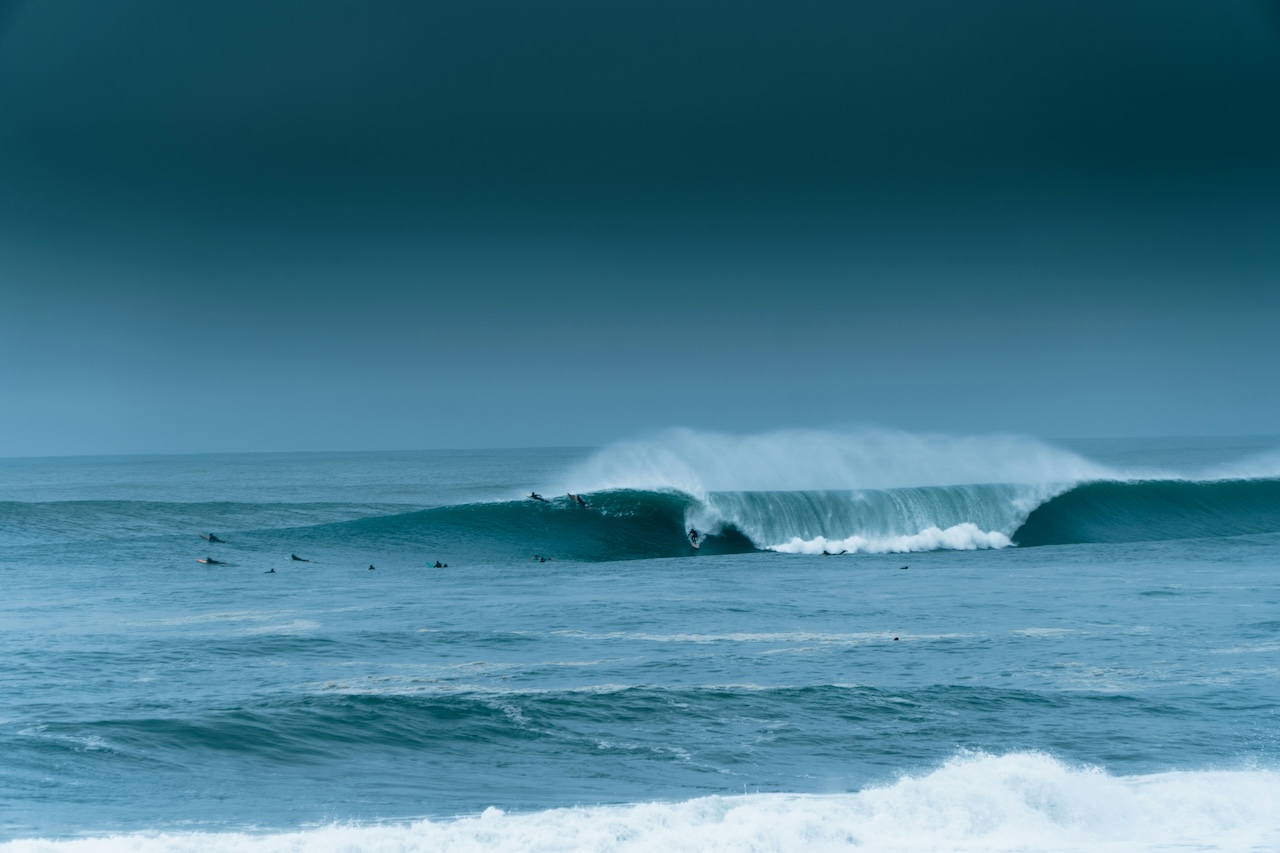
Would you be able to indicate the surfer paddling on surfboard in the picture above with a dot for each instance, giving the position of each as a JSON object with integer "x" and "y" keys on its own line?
{"x": 577, "y": 499}
{"x": 537, "y": 497}
{"x": 211, "y": 562}
{"x": 209, "y": 537}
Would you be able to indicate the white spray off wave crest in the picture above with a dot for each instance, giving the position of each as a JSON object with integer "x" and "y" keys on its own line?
{"x": 802, "y": 460}
{"x": 871, "y": 491}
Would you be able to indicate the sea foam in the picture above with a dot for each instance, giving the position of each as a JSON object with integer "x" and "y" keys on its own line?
{"x": 975, "y": 802}
{"x": 959, "y": 537}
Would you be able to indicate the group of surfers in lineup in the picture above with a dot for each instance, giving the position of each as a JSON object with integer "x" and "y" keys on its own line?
{"x": 577, "y": 499}
{"x": 534, "y": 496}
{"x": 209, "y": 561}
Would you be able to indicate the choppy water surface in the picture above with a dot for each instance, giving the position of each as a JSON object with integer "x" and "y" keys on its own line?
{"x": 1082, "y": 648}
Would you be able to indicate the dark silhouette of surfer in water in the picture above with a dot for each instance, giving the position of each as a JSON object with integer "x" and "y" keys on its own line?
{"x": 537, "y": 497}
{"x": 209, "y": 537}
{"x": 270, "y": 571}
{"x": 693, "y": 537}
{"x": 371, "y": 567}
{"x": 209, "y": 561}
{"x": 577, "y": 499}
{"x": 298, "y": 559}
{"x": 440, "y": 565}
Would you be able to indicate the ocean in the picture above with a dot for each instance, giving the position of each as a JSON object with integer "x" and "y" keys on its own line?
{"x": 883, "y": 641}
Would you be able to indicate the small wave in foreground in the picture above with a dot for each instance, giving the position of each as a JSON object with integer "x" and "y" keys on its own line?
{"x": 1019, "y": 801}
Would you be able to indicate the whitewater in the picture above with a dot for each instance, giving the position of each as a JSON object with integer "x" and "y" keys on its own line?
{"x": 885, "y": 641}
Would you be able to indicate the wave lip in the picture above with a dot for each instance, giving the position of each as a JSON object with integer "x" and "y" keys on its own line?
{"x": 975, "y": 802}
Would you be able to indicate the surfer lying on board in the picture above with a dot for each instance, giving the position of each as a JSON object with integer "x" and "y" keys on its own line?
{"x": 209, "y": 537}
{"x": 299, "y": 559}
{"x": 577, "y": 499}
{"x": 537, "y": 497}
{"x": 212, "y": 562}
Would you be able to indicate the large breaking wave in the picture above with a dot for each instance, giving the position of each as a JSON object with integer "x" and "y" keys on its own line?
{"x": 628, "y": 524}
{"x": 871, "y": 492}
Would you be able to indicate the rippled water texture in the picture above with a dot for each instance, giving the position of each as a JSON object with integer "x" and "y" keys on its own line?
{"x": 1076, "y": 678}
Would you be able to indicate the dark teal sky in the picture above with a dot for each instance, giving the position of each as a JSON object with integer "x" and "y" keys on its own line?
{"x": 279, "y": 225}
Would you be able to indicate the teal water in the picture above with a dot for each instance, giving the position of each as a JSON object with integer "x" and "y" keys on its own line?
{"x": 1088, "y": 643}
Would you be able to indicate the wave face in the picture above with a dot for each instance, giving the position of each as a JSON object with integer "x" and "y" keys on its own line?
{"x": 1154, "y": 510}
{"x": 619, "y": 525}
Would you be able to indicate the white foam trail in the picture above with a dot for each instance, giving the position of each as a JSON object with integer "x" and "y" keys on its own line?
{"x": 961, "y": 537}
{"x": 977, "y": 804}
{"x": 793, "y": 460}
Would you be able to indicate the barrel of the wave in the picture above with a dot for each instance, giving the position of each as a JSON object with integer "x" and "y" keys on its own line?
{"x": 874, "y": 520}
